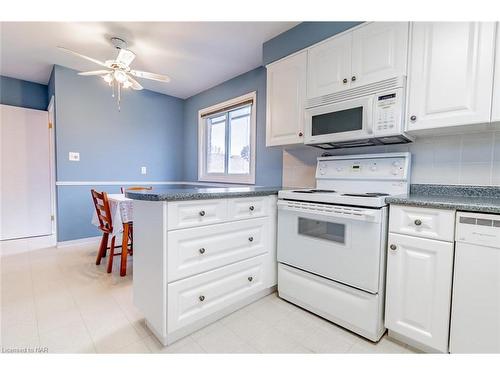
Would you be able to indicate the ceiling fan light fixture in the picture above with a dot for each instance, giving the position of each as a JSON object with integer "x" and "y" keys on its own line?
{"x": 127, "y": 84}
{"x": 108, "y": 78}
{"x": 120, "y": 76}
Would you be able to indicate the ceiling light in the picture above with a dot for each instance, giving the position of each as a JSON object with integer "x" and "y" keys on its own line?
{"x": 108, "y": 78}
{"x": 127, "y": 84}
{"x": 120, "y": 76}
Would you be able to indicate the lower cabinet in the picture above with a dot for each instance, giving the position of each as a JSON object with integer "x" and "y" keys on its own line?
{"x": 197, "y": 297}
{"x": 418, "y": 295}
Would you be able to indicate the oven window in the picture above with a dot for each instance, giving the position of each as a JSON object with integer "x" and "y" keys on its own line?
{"x": 338, "y": 122}
{"x": 322, "y": 229}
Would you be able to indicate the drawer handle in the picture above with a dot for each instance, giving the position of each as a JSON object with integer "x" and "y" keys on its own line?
{"x": 251, "y": 208}
{"x": 201, "y": 298}
{"x": 393, "y": 247}
{"x": 202, "y": 213}
{"x": 250, "y": 278}
{"x": 202, "y": 250}
{"x": 250, "y": 239}
{"x": 418, "y": 222}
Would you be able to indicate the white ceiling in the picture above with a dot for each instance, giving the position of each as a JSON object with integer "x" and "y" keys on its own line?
{"x": 196, "y": 55}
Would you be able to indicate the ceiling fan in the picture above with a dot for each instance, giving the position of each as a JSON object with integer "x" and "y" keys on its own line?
{"x": 117, "y": 72}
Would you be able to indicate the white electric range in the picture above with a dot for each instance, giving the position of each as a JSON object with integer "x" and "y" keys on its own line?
{"x": 332, "y": 239}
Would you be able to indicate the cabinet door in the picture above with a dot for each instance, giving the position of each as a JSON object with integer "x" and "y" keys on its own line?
{"x": 379, "y": 51}
{"x": 419, "y": 274}
{"x": 329, "y": 66}
{"x": 495, "y": 113}
{"x": 286, "y": 86}
{"x": 450, "y": 74}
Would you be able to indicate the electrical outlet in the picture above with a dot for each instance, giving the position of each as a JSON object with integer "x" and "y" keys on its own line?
{"x": 143, "y": 170}
{"x": 74, "y": 156}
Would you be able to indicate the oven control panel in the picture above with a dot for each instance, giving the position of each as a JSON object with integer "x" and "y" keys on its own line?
{"x": 388, "y": 112}
{"x": 387, "y": 168}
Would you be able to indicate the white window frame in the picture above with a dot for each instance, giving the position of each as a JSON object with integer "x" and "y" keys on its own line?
{"x": 202, "y": 144}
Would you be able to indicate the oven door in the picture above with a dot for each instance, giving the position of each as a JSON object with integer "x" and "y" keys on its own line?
{"x": 340, "y": 243}
{"x": 338, "y": 122}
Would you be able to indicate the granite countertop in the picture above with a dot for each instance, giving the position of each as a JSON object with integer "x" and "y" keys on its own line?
{"x": 180, "y": 192}
{"x": 463, "y": 198}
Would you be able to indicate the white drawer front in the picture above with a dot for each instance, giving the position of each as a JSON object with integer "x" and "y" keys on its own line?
{"x": 245, "y": 208}
{"x": 200, "y": 296}
{"x": 422, "y": 222}
{"x": 196, "y": 250}
{"x": 185, "y": 214}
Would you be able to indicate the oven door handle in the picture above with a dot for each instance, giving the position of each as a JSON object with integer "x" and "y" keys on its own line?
{"x": 365, "y": 215}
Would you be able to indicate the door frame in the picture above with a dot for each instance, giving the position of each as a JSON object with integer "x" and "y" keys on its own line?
{"x": 52, "y": 166}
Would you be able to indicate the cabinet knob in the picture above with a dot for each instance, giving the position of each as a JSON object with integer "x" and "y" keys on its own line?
{"x": 202, "y": 213}
{"x": 353, "y": 78}
{"x": 201, "y": 298}
{"x": 301, "y": 134}
{"x": 393, "y": 247}
{"x": 413, "y": 118}
{"x": 344, "y": 81}
{"x": 202, "y": 250}
{"x": 250, "y": 278}
{"x": 418, "y": 222}
{"x": 251, "y": 208}
{"x": 250, "y": 239}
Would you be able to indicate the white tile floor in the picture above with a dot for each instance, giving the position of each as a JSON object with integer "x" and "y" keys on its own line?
{"x": 58, "y": 298}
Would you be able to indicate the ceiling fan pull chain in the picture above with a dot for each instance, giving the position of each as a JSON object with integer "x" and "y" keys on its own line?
{"x": 119, "y": 95}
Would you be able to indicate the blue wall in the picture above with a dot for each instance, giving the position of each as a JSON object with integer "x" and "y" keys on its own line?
{"x": 269, "y": 160}
{"x": 113, "y": 145}
{"x": 21, "y": 93}
{"x": 301, "y": 36}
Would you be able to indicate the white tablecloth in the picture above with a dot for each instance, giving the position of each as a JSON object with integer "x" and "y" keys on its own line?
{"x": 121, "y": 212}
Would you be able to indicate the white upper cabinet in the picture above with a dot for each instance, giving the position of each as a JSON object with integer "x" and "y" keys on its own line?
{"x": 379, "y": 51}
{"x": 450, "y": 74}
{"x": 286, "y": 87}
{"x": 329, "y": 66}
{"x": 370, "y": 53}
{"x": 495, "y": 112}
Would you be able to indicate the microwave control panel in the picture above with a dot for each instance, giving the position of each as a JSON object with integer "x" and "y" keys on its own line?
{"x": 388, "y": 110}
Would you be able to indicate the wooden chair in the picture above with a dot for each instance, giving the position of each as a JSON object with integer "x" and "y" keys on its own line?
{"x": 103, "y": 211}
{"x": 136, "y": 188}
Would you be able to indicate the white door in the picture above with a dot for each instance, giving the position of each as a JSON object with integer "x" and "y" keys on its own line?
{"x": 495, "y": 112}
{"x": 450, "y": 74}
{"x": 286, "y": 86}
{"x": 25, "y": 187}
{"x": 418, "y": 289}
{"x": 379, "y": 51}
{"x": 329, "y": 66}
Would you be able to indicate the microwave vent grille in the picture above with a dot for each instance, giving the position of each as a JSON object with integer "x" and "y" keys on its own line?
{"x": 356, "y": 92}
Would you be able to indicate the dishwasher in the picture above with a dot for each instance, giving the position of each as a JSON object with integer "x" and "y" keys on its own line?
{"x": 475, "y": 314}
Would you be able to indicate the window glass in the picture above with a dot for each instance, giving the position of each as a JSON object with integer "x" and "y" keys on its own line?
{"x": 325, "y": 230}
{"x": 239, "y": 141}
{"x": 216, "y": 144}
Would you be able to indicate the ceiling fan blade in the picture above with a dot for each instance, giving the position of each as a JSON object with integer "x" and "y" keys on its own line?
{"x": 153, "y": 76}
{"x": 95, "y": 72}
{"x": 83, "y": 56}
{"x": 125, "y": 57}
{"x": 135, "y": 85}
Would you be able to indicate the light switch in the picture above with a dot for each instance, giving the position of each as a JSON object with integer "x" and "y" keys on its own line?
{"x": 74, "y": 156}
{"x": 143, "y": 170}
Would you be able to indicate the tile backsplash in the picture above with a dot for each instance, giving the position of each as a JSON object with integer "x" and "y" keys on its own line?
{"x": 462, "y": 159}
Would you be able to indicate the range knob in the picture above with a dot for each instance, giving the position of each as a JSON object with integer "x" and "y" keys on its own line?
{"x": 373, "y": 168}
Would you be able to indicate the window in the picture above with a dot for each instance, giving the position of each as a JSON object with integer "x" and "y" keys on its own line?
{"x": 227, "y": 141}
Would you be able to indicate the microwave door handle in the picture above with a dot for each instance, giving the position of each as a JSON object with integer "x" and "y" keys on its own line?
{"x": 368, "y": 115}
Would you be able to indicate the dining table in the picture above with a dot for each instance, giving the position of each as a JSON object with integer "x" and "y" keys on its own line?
{"x": 122, "y": 210}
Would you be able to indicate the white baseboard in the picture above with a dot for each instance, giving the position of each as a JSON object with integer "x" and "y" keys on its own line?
{"x": 23, "y": 245}
{"x": 80, "y": 241}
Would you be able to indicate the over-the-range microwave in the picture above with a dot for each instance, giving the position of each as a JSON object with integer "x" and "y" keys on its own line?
{"x": 363, "y": 116}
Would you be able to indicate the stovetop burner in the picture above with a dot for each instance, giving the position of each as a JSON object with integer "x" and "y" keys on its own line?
{"x": 365, "y": 195}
